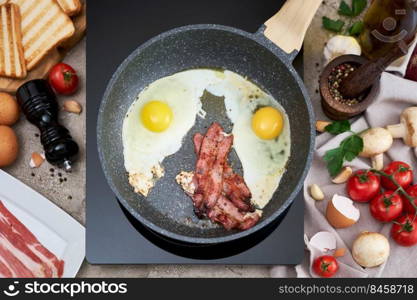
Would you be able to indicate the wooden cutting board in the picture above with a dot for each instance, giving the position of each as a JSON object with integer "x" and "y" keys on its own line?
{"x": 10, "y": 85}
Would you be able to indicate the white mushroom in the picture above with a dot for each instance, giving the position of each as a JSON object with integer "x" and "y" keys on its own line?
{"x": 340, "y": 45}
{"x": 407, "y": 129}
{"x": 375, "y": 142}
{"x": 370, "y": 249}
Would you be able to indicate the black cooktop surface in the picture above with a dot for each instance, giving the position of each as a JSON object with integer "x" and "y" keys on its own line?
{"x": 115, "y": 29}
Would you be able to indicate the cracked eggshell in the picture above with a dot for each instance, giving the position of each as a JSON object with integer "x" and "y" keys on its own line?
{"x": 341, "y": 212}
{"x": 324, "y": 241}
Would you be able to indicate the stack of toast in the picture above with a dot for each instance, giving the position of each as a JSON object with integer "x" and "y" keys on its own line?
{"x": 30, "y": 30}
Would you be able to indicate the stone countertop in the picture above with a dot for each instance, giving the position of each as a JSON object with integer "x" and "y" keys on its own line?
{"x": 70, "y": 194}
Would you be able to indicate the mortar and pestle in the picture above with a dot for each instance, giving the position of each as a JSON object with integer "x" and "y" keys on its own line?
{"x": 362, "y": 84}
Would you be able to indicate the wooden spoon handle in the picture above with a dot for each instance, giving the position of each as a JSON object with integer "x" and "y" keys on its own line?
{"x": 287, "y": 28}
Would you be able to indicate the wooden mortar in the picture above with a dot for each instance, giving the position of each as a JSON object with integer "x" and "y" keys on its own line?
{"x": 337, "y": 110}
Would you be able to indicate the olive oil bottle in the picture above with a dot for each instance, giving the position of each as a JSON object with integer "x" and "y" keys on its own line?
{"x": 387, "y": 22}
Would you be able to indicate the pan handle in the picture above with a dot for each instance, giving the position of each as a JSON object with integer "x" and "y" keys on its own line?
{"x": 287, "y": 28}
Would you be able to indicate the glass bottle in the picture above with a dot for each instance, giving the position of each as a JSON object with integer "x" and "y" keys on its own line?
{"x": 387, "y": 22}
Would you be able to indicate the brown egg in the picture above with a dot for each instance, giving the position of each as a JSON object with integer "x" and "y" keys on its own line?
{"x": 9, "y": 110}
{"x": 9, "y": 146}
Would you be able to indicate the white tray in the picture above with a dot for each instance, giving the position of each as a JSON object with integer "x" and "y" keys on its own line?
{"x": 54, "y": 228}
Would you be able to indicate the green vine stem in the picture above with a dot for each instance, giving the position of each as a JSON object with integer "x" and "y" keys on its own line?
{"x": 399, "y": 187}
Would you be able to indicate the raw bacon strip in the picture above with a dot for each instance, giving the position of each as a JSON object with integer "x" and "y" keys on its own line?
{"x": 14, "y": 244}
{"x": 14, "y": 265}
{"x": 22, "y": 253}
{"x": 4, "y": 271}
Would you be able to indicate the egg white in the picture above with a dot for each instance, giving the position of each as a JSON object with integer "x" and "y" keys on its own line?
{"x": 145, "y": 150}
{"x": 263, "y": 161}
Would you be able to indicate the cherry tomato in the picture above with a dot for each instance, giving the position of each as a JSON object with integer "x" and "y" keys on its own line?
{"x": 363, "y": 185}
{"x": 404, "y": 230}
{"x": 63, "y": 79}
{"x": 402, "y": 174}
{"x": 325, "y": 266}
{"x": 386, "y": 207}
{"x": 411, "y": 191}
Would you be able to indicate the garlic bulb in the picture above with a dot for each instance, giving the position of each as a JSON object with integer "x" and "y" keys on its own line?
{"x": 340, "y": 45}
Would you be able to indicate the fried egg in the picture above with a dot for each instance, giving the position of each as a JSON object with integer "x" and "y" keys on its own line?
{"x": 261, "y": 132}
{"x": 158, "y": 120}
{"x": 164, "y": 112}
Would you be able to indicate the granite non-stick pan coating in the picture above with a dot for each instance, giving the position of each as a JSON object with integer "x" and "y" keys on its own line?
{"x": 168, "y": 210}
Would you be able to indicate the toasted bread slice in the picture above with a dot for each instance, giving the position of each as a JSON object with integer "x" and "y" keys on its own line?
{"x": 12, "y": 61}
{"x": 44, "y": 26}
{"x": 70, "y": 7}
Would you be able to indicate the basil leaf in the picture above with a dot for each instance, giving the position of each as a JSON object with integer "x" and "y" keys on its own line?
{"x": 358, "y": 6}
{"x": 334, "y": 159}
{"x": 356, "y": 28}
{"x": 333, "y": 25}
{"x": 344, "y": 9}
{"x": 338, "y": 127}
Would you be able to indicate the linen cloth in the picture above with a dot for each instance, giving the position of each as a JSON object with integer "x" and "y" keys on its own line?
{"x": 395, "y": 95}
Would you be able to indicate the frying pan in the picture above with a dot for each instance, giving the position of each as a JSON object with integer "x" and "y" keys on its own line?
{"x": 266, "y": 59}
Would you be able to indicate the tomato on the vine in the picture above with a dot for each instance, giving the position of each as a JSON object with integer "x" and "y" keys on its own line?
{"x": 411, "y": 191}
{"x": 404, "y": 230}
{"x": 63, "y": 79}
{"x": 401, "y": 172}
{"x": 363, "y": 185}
{"x": 386, "y": 207}
{"x": 325, "y": 266}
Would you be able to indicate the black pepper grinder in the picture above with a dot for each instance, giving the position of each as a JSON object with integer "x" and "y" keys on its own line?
{"x": 39, "y": 104}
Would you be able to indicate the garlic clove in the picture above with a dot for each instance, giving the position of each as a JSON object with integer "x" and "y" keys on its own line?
{"x": 340, "y": 45}
{"x": 321, "y": 125}
{"x": 343, "y": 176}
{"x": 316, "y": 192}
{"x": 72, "y": 107}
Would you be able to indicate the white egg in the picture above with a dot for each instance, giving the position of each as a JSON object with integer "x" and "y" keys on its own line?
{"x": 263, "y": 161}
{"x": 145, "y": 150}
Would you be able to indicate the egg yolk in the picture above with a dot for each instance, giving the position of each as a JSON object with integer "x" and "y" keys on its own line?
{"x": 156, "y": 116}
{"x": 267, "y": 123}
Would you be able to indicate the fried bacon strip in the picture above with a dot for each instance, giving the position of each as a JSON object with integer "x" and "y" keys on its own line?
{"x": 220, "y": 193}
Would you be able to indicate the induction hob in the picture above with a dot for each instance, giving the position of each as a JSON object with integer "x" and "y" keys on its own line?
{"x": 113, "y": 236}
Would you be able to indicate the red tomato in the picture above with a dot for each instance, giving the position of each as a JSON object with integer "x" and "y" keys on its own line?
{"x": 412, "y": 191}
{"x": 63, "y": 79}
{"x": 325, "y": 266}
{"x": 404, "y": 230}
{"x": 402, "y": 174}
{"x": 363, "y": 185}
{"x": 386, "y": 207}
